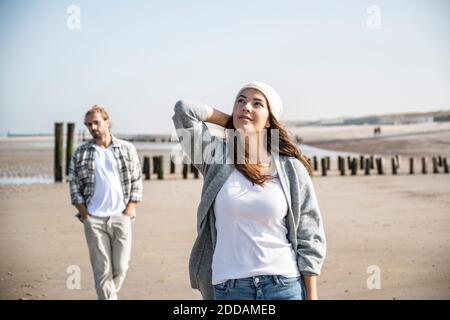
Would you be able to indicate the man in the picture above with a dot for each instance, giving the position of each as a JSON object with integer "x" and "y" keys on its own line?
{"x": 105, "y": 186}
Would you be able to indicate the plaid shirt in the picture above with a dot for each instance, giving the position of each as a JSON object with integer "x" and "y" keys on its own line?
{"x": 82, "y": 169}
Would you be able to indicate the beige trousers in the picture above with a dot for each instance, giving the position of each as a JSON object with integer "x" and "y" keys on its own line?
{"x": 109, "y": 243}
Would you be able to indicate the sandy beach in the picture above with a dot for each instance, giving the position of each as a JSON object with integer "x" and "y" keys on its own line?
{"x": 426, "y": 139}
{"x": 353, "y": 83}
{"x": 399, "y": 224}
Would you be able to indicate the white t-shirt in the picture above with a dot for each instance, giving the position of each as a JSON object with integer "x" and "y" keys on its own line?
{"x": 108, "y": 195}
{"x": 251, "y": 231}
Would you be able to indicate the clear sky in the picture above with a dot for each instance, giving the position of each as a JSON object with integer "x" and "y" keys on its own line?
{"x": 137, "y": 58}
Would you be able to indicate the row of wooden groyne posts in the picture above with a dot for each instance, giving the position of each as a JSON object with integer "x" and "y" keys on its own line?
{"x": 367, "y": 164}
{"x": 440, "y": 164}
{"x": 321, "y": 165}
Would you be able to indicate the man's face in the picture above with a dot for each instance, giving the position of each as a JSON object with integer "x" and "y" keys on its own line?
{"x": 97, "y": 126}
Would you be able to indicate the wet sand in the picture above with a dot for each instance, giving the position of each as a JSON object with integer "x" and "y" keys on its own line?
{"x": 418, "y": 140}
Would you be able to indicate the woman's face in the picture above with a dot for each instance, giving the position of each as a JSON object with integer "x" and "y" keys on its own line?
{"x": 251, "y": 112}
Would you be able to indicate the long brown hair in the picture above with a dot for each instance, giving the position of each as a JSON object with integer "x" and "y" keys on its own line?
{"x": 286, "y": 148}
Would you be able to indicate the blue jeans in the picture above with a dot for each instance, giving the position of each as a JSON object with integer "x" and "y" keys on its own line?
{"x": 265, "y": 287}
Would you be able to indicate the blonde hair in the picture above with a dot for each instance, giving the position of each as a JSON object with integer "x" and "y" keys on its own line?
{"x": 97, "y": 109}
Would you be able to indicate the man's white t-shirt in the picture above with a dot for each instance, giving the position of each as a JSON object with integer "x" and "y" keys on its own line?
{"x": 108, "y": 194}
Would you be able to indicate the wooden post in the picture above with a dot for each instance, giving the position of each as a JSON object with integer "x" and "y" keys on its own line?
{"x": 367, "y": 167}
{"x": 394, "y": 166}
{"x": 379, "y": 162}
{"x": 324, "y": 166}
{"x": 372, "y": 164}
{"x": 172, "y": 166}
{"x": 69, "y": 144}
{"x": 435, "y": 165}
{"x": 194, "y": 170}
{"x": 445, "y": 163}
{"x": 342, "y": 166}
{"x": 339, "y": 160}
{"x": 349, "y": 163}
{"x": 424, "y": 165}
{"x": 355, "y": 166}
{"x": 146, "y": 168}
{"x": 155, "y": 164}
{"x": 315, "y": 163}
{"x": 411, "y": 165}
{"x": 361, "y": 162}
{"x": 59, "y": 151}
{"x": 185, "y": 170}
{"x": 160, "y": 167}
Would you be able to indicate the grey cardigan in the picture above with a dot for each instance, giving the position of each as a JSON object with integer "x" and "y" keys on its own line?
{"x": 303, "y": 220}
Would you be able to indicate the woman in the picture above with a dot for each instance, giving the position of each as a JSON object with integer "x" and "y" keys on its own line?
{"x": 260, "y": 232}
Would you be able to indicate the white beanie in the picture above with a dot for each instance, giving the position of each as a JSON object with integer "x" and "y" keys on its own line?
{"x": 273, "y": 98}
